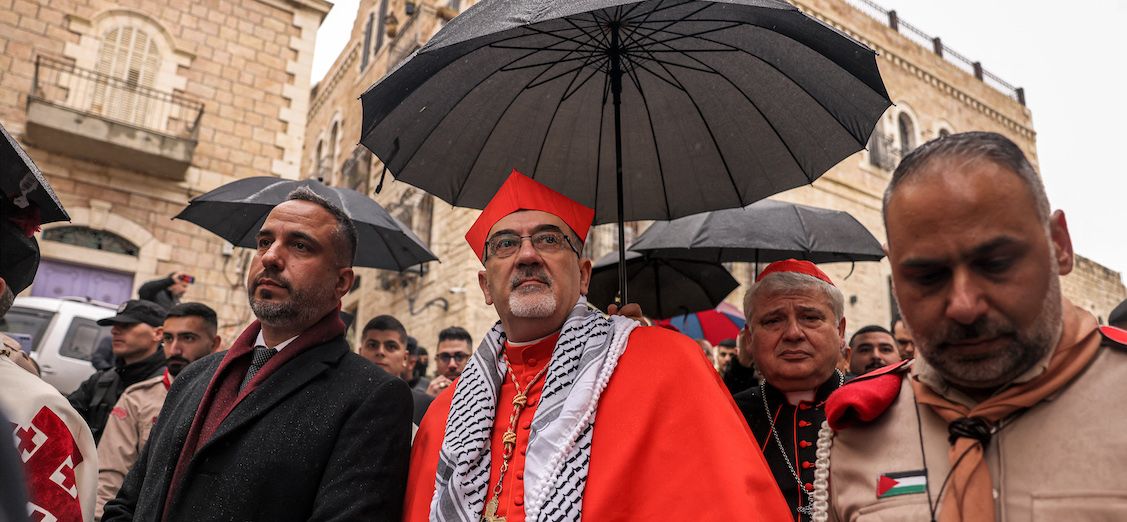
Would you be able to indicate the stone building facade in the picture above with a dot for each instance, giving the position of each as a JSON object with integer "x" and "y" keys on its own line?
{"x": 438, "y": 295}
{"x": 935, "y": 91}
{"x": 131, "y": 108}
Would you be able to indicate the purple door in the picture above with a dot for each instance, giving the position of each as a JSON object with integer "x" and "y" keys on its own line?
{"x": 58, "y": 279}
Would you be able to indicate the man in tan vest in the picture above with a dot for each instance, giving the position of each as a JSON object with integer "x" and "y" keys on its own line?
{"x": 1004, "y": 414}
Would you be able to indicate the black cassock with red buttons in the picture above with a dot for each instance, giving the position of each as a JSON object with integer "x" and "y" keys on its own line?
{"x": 797, "y": 426}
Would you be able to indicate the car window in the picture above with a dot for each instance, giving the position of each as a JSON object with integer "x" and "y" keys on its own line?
{"x": 82, "y": 337}
{"x": 28, "y": 321}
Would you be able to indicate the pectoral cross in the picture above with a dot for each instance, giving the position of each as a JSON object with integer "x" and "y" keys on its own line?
{"x": 491, "y": 512}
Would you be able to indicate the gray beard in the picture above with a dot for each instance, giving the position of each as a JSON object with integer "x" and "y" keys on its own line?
{"x": 533, "y": 305}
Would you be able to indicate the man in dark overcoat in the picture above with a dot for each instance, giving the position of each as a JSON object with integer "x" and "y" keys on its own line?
{"x": 289, "y": 424}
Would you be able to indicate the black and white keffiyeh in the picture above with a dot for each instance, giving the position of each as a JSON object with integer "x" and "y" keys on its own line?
{"x": 559, "y": 447}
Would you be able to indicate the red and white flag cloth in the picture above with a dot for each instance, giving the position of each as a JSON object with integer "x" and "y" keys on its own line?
{"x": 55, "y": 445}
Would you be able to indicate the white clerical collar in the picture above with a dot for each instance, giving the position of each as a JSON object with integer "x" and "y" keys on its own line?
{"x": 796, "y": 397}
{"x": 261, "y": 341}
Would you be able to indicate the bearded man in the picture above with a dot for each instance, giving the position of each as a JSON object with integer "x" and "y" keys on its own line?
{"x": 289, "y": 424}
{"x": 564, "y": 413}
{"x": 1003, "y": 415}
{"x": 794, "y": 333}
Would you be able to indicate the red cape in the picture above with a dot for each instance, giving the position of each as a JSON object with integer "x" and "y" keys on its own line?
{"x": 669, "y": 444}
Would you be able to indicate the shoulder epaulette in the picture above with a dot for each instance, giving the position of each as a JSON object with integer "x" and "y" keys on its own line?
{"x": 1115, "y": 337}
{"x": 867, "y": 397}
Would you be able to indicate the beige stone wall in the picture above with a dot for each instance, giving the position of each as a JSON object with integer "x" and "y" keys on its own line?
{"x": 450, "y": 286}
{"x": 248, "y": 62}
{"x": 1094, "y": 287}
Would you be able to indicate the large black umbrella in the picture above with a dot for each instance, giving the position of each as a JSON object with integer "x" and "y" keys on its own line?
{"x": 22, "y": 182}
{"x": 237, "y": 210}
{"x": 642, "y": 110}
{"x": 662, "y": 287}
{"x": 762, "y": 232}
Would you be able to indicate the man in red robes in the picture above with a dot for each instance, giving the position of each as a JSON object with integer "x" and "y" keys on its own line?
{"x": 564, "y": 413}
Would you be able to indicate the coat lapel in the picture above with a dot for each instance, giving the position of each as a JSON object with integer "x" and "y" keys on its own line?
{"x": 288, "y": 379}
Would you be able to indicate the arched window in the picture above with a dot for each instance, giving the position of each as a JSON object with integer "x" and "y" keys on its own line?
{"x": 907, "y": 133}
{"x": 130, "y": 60}
{"x": 90, "y": 238}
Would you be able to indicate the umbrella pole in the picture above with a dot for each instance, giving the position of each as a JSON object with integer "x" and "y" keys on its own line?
{"x": 616, "y": 91}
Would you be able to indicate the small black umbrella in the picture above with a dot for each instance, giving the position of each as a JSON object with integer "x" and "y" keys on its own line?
{"x": 762, "y": 232}
{"x": 662, "y": 287}
{"x": 641, "y": 110}
{"x": 21, "y": 181}
{"x": 237, "y": 210}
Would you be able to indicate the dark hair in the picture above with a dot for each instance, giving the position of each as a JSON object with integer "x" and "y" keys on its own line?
{"x": 728, "y": 343}
{"x": 869, "y": 329}
{"x": 892, "y": 327}
{"x": 386, "y": 323}
{"x": 972, "y": 145}
{"x": 421, "y": 352}
{"x": 196, "y": 310}
{"x": 455, "y": 333}
{"x": 412, "y": 346}
{"x": 344, "y": 235}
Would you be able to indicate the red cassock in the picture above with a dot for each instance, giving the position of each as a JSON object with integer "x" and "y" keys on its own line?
{"x": 668, "y": 444}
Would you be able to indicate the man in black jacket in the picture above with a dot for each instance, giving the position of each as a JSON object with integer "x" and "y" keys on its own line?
{"x": 289, "y": 424}
{"x": 136, "y": 347}
{"x": 166, "y": 291}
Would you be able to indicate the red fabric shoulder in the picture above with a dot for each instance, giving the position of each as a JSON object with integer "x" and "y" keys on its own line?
{"x": 866, "y": 397}
{"x": 1118, "y": 335}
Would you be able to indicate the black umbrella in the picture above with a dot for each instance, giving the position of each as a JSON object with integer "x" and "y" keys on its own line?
{"x": 662, "y": 287}
{"x": 21, "y": 181}
{"x": 762, "y": 232}
{"x": 237, "y": 210}
{"x": 642, "y": 110}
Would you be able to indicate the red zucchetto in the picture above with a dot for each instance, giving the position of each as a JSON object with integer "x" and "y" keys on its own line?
{"x": 521, "y": 192}
{"x": 796, "y": 266}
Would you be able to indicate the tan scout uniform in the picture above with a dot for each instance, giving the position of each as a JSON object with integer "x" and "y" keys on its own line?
{"x": 1064, "y": 459}
{"x": 127, "y": 430}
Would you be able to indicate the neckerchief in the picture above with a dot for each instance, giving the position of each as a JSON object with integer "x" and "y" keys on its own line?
{"x": 969, "y": 495}
{"x": 559, "y": 447}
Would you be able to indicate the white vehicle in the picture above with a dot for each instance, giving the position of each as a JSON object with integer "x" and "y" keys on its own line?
{"x": 62, "y": 334}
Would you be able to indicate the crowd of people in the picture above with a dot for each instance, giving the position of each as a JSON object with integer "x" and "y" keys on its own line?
{"x": 987, "y": 400}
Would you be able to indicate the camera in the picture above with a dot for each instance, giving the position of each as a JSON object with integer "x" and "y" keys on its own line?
{"x": 187, "y": 278}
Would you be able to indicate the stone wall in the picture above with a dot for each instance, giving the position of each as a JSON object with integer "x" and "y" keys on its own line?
{"x": 248, "y": 62}
{"x": 1094, "y": 287}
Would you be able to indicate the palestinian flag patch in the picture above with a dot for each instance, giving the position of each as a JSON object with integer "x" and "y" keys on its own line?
{"x": 901, "y": 483}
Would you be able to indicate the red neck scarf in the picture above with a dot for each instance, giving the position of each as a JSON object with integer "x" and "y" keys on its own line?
{"x": 222, "y": 394}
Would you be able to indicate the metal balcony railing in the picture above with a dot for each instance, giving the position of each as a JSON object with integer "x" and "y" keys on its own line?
{"x": 893, "y": 21}
{"x": 123, "y": 101}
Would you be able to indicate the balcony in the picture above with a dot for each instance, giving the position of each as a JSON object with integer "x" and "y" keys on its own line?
{"x": 92, "y": 116}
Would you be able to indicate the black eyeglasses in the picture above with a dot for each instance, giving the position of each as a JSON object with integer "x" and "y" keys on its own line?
{"x": 545, "y": 242}
{"x": 444, "y": 358}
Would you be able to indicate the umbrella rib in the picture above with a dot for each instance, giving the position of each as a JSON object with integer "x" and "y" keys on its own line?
{"x": 790, "y": 151}
{"x": 555, "y": 112}
{"x": 557, "y": 76}
{"x": 797, "y": 84}
{"x": 500, "y": 116}
{"x": 568, "y": 94}
{"x": 653, "y": 133}
{"x": 711, "y": 134}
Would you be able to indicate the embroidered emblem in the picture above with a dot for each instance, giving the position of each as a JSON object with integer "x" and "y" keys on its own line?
{"x": 901, "y": 483}
{"x": 119, "y": 412}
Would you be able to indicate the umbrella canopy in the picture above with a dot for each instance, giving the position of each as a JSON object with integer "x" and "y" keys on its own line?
{"x": 22, "y": 182}
{"x": 662, "y": 287}
{"x": 713, "y": 325}
{"x": 641, "y": 110}
{"x": 763, "y": 232}
{"x": 237, "y": 210}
